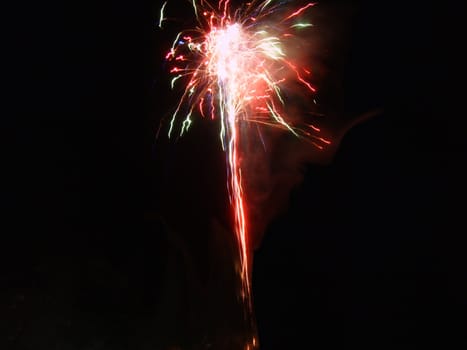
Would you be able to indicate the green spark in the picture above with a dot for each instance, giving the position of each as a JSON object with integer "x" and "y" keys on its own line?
{"x": 196, "y": 9}
{"x": 186, "y": 123}
{"x": 174, "y": 80}
{"x": 279, "y": 119}
{"x": 302, "y": 25}
{"x": 161, "y": 19}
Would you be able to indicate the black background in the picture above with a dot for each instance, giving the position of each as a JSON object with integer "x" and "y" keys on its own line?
{"x": 370, "y": 253}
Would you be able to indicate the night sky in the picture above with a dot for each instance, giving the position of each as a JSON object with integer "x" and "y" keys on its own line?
{"x": 369, "y": 252}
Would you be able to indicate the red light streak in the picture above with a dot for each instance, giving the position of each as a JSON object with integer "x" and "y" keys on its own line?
{"x": 236, "y": 65}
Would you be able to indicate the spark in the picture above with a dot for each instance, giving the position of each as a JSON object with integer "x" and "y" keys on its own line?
{"x": 162, "y": 18}
{"x": 235, "y": 66}
{"x": 300, "y": 10}
{"x": 302, "y": 25}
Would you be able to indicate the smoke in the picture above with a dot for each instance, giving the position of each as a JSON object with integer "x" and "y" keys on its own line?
{"x": 274, "y": 160}
{"x": 274, "y": 163}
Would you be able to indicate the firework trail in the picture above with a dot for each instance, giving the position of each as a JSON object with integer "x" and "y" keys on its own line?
{"x": 234, "y": 67}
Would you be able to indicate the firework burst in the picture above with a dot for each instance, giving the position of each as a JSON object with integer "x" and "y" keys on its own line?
{"x": 234, "y": 67}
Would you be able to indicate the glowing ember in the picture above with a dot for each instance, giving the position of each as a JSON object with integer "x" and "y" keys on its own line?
{"x": 235, "y": 65}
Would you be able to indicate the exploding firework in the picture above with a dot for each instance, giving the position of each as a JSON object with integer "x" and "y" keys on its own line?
{"x": 235, "y": 67}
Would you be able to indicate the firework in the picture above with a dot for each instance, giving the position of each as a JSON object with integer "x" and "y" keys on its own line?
{"x": 234, "y": 67}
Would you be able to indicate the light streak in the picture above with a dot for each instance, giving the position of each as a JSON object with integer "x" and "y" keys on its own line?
{"x": 162, "y": 18}
{"x": 235, "y": 66}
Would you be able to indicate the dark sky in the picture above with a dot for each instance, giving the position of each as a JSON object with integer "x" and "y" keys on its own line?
{"x": 369, "y": 254}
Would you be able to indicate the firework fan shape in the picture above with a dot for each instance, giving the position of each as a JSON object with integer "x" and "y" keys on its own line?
{"x": 235, "y": 68}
